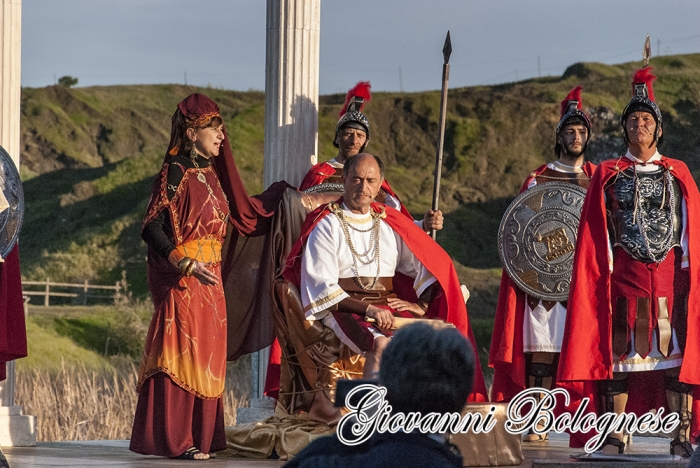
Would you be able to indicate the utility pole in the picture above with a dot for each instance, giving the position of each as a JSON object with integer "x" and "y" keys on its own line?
{"x": 539, "y": 73}
{"x": 400, "y": 80}
{"x": 185, "y": 78}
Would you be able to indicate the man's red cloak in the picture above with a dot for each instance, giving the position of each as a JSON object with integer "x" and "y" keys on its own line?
{"x": 449, "y": 306}
{"x": 587, "y": 350}
{"x": 319, "y": 173}
{"x": 506, "y": 354}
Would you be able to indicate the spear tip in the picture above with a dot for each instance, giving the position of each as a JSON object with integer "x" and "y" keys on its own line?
{"x": 447, "y": 48}
{"x": 646, "y": 53}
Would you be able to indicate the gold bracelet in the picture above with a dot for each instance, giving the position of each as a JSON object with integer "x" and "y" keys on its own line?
{"x": 184, "y": 264}
{"x": 190, "y": 268}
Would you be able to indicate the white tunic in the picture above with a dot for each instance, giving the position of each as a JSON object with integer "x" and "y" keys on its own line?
{"x": 327, "y": 257}
{"x": 543, "y": 330}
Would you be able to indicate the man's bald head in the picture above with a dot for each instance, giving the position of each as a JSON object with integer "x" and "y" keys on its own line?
{"x": 362, "y": 177}
{"x": 351, "y": 162}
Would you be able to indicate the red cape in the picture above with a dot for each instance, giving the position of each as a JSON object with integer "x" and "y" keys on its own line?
{"x": 506, "y": 354}
{"x": 13, "y": 334}
{"x": 319, "y": 173}
{"x": 587, "y": 350}
{"x": 449, "y": 307}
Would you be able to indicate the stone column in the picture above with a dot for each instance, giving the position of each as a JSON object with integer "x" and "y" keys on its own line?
{"x": 10, "y": 77}
{"x": 16, "y": 429}
{"x": 291, "y": 125}
{"x": 291, "y": 89}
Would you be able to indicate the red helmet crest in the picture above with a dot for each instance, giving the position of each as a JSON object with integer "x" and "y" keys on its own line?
{"x": 361, "y": 90}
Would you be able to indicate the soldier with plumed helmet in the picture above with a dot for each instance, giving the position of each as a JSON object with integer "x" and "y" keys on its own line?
{"x": 352, "y": 135}
{"x": 529, "y": 327}
{"x": 632, "y": 323}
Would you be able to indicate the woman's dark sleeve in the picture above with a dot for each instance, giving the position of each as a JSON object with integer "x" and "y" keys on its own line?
{"x": 156, "y": 233}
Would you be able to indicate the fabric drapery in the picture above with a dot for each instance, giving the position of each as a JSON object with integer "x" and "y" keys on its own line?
{"x": 13, "y": 333}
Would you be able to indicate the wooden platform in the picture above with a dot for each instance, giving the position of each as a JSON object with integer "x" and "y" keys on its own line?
{"x": 115, "y": 454}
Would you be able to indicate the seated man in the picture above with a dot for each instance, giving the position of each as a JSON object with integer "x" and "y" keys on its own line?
{"x": 352, "y": 134}
{"x": 423, "y": 370}
{"x": 355, "y": 255}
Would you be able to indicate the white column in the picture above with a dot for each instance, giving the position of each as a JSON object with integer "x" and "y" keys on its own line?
{"x": 291, "y": 126}
{"x": 16, "y": 429}
{"x": 10, "y": 77}
{"x": 291, "y": 89}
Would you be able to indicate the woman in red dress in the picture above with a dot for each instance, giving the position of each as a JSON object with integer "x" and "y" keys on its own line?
{"x": 181, "y": 380}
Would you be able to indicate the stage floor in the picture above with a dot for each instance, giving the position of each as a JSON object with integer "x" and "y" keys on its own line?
{"x": 115, "y": 454}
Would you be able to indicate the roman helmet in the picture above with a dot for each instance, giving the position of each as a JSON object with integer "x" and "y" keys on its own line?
{"x": 571, "y": 113}
{"x": 643, "y": 101}
{"x": 351, "y": 114}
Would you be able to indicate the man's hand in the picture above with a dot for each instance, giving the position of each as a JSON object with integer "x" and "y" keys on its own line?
{"x": 204, "y": 275}
{"x": 432, "y": 220}
{"x": 384, "y": 318}
{"x": 400, "y": 304}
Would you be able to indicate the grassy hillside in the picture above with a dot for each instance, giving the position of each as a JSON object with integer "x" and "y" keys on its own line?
{"x": 94, "y": 338}
{"x": 89, "y": 156}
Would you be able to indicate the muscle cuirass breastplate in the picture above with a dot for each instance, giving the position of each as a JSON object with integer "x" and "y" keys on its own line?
{"x": 644, "y": 213}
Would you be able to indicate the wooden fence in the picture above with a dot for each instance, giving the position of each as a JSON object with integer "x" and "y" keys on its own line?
{"x": 76, "y": 291}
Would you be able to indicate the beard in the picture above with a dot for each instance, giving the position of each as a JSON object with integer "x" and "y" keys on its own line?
{"x": 571, "y": 152}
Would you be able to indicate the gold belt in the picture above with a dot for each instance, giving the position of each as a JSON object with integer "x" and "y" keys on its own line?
{"x": 205, "y": 250}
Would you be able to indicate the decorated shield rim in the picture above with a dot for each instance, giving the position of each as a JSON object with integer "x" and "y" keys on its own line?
{"x": 325, "y": 187}
{"x": 556, "y": 297}
{"x": 11, "y": 169}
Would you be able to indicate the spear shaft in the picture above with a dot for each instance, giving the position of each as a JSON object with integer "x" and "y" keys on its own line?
{"x": 446, "y": 51}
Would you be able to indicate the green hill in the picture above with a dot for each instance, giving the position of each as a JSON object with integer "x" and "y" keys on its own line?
{"x": 89, "y": 156}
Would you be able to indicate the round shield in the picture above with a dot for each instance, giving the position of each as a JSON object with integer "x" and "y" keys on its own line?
{"x": 11, "y": 203}
{"x": 537, "y": 237}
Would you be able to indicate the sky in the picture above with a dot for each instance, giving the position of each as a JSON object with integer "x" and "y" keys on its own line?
{"x": 396, "y": 45}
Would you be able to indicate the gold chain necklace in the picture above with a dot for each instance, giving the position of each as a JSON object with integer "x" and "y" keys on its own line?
{"x": 203, "y": 179}
{"x": 200, "y": 176}
{"x": 373, "y": 247}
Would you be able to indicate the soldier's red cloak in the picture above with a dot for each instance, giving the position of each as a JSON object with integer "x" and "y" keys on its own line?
{"x": 586, "y": 354}
{"x": 13, "y": 334}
